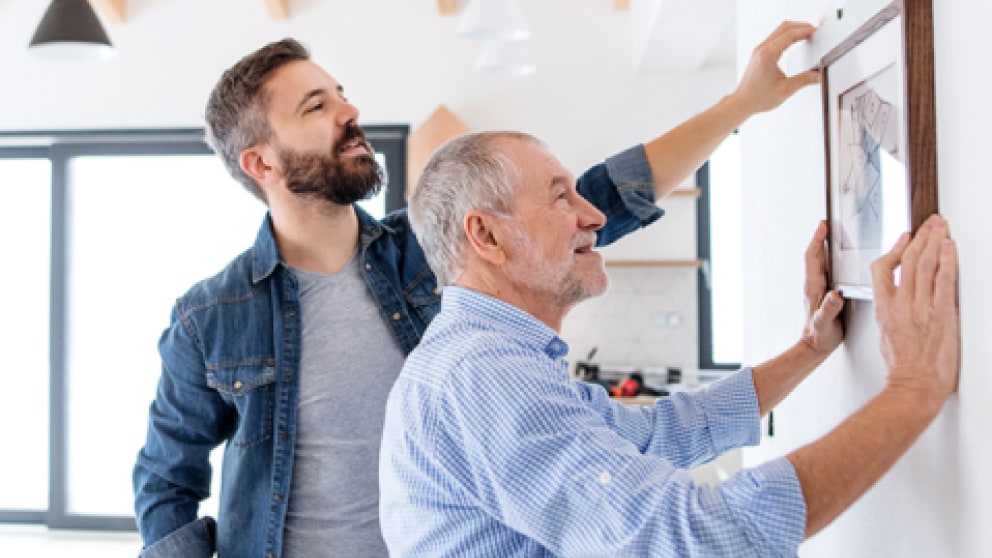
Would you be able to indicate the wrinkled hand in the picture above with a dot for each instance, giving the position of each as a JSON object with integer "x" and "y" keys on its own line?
{"x": 919, "y": 318}
{"x": 823, "y": 331}
{"x": 763, "y": 85}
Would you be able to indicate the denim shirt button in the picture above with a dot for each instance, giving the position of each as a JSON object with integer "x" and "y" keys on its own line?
{"x": 277, "y": 497}
{"x": 396, "y": 315}
{"x": 368, "y": 267}
{"x": 283, "y": 437}
{"x": 238, "y": 384}
{"x": 270, "y": 555}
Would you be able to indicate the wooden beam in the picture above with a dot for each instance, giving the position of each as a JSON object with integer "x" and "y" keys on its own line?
{"x": 621, "y": 5}
{"x": 112, "y": 10}
{"x": 278, "y": 9}
{"x": 447, "y": 7}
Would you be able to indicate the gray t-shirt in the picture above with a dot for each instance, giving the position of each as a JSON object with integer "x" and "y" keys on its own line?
{"x": 349, "y": 362}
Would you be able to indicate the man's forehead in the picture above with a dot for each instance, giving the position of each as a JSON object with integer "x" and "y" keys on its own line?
{"x": 298, "y": 79}
{"x": 537, "y": 165}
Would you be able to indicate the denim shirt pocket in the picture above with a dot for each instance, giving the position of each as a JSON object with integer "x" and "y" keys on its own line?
{"x": 250, "y": 387}
{"x": 424, "y": 297}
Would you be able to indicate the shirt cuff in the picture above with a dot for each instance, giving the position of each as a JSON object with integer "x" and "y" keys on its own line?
{"x": 196, "y": 539}
{"x": 732, "y": 411}
{"x": 768, "y": 503}
{"x": 630, "y": 171}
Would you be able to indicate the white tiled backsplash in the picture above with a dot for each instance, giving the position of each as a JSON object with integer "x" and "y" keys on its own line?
{"x": 647, "y": 318}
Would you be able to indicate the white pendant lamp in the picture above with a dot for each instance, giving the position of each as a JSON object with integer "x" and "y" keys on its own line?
{"x": 512, "y": 58}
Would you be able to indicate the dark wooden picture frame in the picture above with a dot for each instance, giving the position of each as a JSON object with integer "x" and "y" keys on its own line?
{"x": 880, "y": 139}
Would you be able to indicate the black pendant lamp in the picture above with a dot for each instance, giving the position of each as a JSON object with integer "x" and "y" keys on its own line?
{"x": 70, "y": 30}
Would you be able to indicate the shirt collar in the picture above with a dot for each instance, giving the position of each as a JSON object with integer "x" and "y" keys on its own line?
{"x": 506, "y": 317}
{"x": 266, "y": 252}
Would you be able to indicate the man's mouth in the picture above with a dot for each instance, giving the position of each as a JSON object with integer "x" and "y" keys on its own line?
{"x": 353, "y": 146}
{"x": 586, "y": 247}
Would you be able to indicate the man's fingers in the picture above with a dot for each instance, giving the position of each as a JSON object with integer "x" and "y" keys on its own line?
{"x": 784, "y": 36}
{"x": 926, "y": 268}
{"x": 883, "y": 267}
{"x": 913, "y": 253}
{"x": 829, "y": 309}
{"x": 798, "y": 81}
{"x": 816, "y": 265}
{"x": 945, "y": 290}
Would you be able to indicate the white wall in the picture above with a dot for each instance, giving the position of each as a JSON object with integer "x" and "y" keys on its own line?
{"x": 398, "y": 59}
{"x": 935, "y": 500}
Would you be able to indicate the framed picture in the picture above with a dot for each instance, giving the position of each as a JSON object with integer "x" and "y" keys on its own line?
{"x": 880, "y": 139}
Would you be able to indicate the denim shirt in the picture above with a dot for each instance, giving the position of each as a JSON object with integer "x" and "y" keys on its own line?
{"x": 230, "y": 358}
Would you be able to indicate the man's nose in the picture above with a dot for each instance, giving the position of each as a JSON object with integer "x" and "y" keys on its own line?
{"x": 346, "y": 112}
{"x": 590, "y": 218}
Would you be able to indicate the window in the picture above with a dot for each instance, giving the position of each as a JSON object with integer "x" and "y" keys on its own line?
{"x": 25, "y": 231}
{"x": 719, "y": 245}
{"x": 110, "y": 228}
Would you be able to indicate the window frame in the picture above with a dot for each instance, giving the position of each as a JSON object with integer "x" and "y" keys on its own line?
{"x": 60, "y": 147}
{"x": 704, "y": 239}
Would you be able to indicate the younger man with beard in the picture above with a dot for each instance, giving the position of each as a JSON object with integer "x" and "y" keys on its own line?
{"x": 287, "y": 354}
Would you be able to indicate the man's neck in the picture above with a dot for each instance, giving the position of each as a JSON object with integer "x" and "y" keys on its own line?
{"x": 537, "y": 305}
{"x": 317, "y": 237}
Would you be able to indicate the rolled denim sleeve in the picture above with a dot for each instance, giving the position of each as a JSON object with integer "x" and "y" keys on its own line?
{"x": 196, "y": 539}
{"x": 622, "y": 188}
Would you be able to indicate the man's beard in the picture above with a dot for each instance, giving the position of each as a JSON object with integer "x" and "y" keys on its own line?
{"x": 569, "y": 286}
{"x": 331, "y": 178}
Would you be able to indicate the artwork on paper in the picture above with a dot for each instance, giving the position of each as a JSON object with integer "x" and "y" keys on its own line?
{"x": 881, "y": 163}
{"x": 868, "y": 145}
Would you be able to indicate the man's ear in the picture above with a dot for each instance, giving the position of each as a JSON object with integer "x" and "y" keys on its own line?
{"x": 485, "y": 237}
{"x": 256, "y": 162}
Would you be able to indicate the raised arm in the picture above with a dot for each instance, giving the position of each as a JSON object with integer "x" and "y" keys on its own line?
{"x": 681, "y": 151}
{"x": 775, "y": 379}
{"x": 920, "y": 343}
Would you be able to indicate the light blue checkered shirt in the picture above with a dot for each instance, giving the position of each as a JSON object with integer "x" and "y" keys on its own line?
{"x": 491, "y": 449}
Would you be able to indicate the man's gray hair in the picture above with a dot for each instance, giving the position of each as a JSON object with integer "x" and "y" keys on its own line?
{"x": 467, "y": 172}
{"x": 235, "y": 113}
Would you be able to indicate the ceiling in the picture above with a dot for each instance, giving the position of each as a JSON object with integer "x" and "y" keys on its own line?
{"x": 685, "y": 35}
{"x": 668, "y": 35}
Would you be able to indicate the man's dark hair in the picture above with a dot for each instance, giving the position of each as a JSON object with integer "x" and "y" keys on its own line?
{"x": 235, "y": 113}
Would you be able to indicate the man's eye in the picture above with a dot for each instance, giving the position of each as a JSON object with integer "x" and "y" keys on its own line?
{"x": 315, "y": 108}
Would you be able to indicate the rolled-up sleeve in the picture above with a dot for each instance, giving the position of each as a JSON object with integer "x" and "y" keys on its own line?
{"x": 622, "y": 188}
{"x": 768, "y": 502}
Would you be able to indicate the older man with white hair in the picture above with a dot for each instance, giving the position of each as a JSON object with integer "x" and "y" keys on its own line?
{"x": 491, "y": 449}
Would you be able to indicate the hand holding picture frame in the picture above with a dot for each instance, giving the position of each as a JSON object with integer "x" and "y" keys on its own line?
{"x": 880, "y": 139}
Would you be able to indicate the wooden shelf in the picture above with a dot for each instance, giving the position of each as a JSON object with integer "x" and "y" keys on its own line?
{"x": 685, "y": 193}
{"x": 654, "y": 263}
